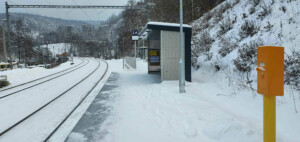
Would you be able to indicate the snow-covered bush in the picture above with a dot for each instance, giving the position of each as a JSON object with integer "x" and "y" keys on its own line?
{"x": 292, "y": 20}
{"x": 217, "y": 66}
{"x": 283, "y": 9}
{"x": 205, "y": 41}
{"x": 268, "y": 27}
{"x": 200, "y": 27}
{"x": 225, "y": 26}
{"x": 208, "y": 55}
{"x": 248, "y": 28}
{"x": 244, "y": 16}
{"x": 236, "y": 2}
{"x": 207, "y": 16}
{"x": 266, "y": 10}
{"x": 227, "y": 44}
{"x": 252, "y": 10}
{"x": 226, "y": 6}
{"x": 247, "y": 56}
{"x": 255, "y": 2}
{"x": 234, "y": 19}
{"x": 292, "y": 69}
{"x": 218, "y": 15}
{"x": 202, "y": 45}
{"x": 194, "y": 62}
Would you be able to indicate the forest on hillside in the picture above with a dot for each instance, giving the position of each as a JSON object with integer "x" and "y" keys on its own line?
{"x": 109, "y": 39}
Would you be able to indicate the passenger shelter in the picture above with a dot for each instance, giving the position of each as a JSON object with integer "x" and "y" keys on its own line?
{"x": 164, "y": 49}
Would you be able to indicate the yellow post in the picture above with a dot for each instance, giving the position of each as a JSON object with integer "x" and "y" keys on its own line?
{"x": 269, "y": 118}
{"x": 270, "y": 83}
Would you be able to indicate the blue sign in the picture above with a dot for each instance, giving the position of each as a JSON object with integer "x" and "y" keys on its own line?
{"x": 135, "y": 32}
{"x": 154, "y": 59}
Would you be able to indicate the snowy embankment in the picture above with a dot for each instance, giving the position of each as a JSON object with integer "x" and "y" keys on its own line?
{"x": 226, "y": 38}
{"x": 146, "y": 110}
{"x": 276, "y": 22}
{"x": 225, "y": 41}
{"x": 22, "y": 75}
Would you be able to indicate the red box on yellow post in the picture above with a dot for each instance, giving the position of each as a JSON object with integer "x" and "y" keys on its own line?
{"x": 270, "y": 70}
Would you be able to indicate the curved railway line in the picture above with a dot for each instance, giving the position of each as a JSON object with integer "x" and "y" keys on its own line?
{"x": 9, "y": 94}
{"x": 85, "y": 96}
{"x": 59, "y": 96}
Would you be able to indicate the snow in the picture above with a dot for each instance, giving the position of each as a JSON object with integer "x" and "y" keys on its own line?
{"x": 22, "y": 75}
{"x": 168, "y": 24}
{"x": 284, "y": 23}
{"x": 210, "y": 110}
{"x": 42, "y": 123}
{"x": 77, "y": 137}
{"x": 214, "y": 108}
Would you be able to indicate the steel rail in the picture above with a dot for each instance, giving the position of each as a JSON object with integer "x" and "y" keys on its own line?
{"x": 86, "y": 95}
{"x": 39, "y": 109}
{"x": 40, "y": 78}
{"x": 4, "y": 96}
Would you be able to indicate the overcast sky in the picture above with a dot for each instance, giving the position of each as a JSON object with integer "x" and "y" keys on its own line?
{"x": 74, "y": 14}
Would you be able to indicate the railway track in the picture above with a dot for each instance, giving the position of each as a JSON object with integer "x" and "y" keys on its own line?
{"x": 8, "y": 88}
{"x": 56, "y": 98}
{"x": 85, "y": 96}
{"x": 21, "y": 85}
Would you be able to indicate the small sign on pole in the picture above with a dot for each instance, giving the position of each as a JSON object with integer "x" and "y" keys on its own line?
{"x": 135, "y": 35}
{"x": 270, "y": 83}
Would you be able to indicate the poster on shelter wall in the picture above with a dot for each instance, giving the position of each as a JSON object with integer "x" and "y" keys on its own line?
{"x": 154, "y": 57}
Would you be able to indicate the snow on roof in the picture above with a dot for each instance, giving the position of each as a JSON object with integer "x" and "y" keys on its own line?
{"x": 143, "y": 34}
{"x": 168, "y": 24}
{"x": 143, "y": 47}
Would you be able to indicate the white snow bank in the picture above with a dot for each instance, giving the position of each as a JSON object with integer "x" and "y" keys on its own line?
{"x": 21, "y": 75}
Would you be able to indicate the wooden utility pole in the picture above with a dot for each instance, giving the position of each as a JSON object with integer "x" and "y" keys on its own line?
{"x": 123, "y": 49}
{"x": 4, "y": 43}
{"x": 8, "y": 35}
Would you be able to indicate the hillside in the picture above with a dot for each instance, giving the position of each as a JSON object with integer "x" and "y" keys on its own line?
{"x": 226, "y": 38}
{"x": 43, "y": 24}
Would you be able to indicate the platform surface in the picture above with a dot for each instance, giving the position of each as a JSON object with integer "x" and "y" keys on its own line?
{"x": 87, "y": 128}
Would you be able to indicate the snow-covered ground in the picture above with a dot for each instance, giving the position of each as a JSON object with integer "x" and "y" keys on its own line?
{"x": 40, "y": 125}
{"x": 145, "y": 109}
{"x": 210, "y": 111}
{"x": 22, "y": 75}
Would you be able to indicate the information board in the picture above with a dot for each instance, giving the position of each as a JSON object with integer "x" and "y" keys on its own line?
{"x": 135, "y": 35}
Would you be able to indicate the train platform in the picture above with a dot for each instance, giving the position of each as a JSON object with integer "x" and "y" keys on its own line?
{"x": 135, "y": 106}
{"x": 88, "y": 126}
{"x": 92, "y": 125}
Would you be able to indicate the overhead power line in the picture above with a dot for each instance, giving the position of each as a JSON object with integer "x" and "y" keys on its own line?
{"x": 82, "y": 10}
{"x": 78, "y": 6}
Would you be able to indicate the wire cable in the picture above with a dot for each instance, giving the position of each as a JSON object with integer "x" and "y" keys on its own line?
{"x": 82, "y": 10}
{"x": 28, "y": 10}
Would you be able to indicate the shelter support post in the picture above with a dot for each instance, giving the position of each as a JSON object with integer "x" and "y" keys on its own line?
{"x": 181, "y": 61}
